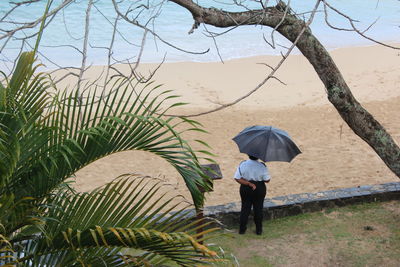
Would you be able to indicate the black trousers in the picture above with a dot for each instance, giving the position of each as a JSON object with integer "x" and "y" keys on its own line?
{"x": 252, "y": 198}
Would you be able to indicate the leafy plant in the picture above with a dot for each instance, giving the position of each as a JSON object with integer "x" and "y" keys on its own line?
{"x": 45, "y": 138}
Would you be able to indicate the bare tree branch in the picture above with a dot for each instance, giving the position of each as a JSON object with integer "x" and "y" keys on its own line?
{"x": 85, "y": 44}
{"x": 270, "y": 75}
{"x": 353, "y": 26}
{"x": 34, "y": 23}
{"x": 272, "y": 43}
{"x": 280, "y": 17}
{"x": 136, "y": 23}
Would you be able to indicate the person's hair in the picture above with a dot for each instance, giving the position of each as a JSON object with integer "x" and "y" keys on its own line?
{"x": 252, "y": 158}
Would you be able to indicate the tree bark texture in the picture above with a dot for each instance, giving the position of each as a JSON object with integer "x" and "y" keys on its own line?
{"x": 339, "y": 94}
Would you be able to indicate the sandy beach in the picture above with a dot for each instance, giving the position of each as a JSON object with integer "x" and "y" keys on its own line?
{"x": 332, "y": 155}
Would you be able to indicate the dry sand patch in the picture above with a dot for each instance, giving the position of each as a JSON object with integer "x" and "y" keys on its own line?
{"x": 333, "y": 156}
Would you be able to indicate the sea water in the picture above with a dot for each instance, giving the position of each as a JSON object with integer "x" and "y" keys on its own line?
{"x": 172, "y": 24}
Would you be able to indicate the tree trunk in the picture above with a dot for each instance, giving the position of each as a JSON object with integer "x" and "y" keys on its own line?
{"x": 339, "y": 94}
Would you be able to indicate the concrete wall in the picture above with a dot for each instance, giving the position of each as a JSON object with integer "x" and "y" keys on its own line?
{"x": 308, "y": 202}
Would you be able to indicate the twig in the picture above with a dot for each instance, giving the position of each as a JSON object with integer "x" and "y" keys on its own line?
{"x": 271, "y": 75}
{"x": 354, "y": 27}
{"x": 85, "y": 44}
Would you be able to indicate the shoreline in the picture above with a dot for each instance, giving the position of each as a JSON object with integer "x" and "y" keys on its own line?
{"x": 260, "y": 55}
{"x": 294, "y": 53}
{"x": 333, "y": 156}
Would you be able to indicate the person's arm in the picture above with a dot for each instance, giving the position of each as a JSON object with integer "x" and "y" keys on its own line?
{"x": 245, "y": 182}
{"x": 266, "y": 175}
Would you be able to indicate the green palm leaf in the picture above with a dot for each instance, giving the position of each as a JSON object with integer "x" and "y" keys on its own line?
{"x": 45, "y": 139}
{"x": 63, "y": 134}
{"x": 81, "y": 222}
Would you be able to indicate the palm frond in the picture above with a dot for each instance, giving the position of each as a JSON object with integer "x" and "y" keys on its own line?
{"x": 45, "y": 139}
{"x": 122, "y": 214}
{"x": 63, "y": 134}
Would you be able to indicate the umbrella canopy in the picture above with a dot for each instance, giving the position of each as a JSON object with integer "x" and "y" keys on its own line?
{"x": 266, "y": 143}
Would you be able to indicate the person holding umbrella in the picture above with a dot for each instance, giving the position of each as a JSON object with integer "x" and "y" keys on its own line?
{"x": 252, "y": 176}
{"x": 266, "y": 143}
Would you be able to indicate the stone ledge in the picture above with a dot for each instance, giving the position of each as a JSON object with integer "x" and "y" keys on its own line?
{"x": 289, "y": 205}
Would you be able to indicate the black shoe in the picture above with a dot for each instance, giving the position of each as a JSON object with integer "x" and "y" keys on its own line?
{"x": 259, "y": 232}
{"x": 241, "y": 232}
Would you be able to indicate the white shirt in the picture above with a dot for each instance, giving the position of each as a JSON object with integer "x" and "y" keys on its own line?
{"x": 252, "y": 170}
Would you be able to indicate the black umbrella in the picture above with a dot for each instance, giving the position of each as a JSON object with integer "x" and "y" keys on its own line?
{"x": 267, "y": 143}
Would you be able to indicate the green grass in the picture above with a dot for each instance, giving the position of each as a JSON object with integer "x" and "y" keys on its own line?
{"x": 358, "y": 235}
